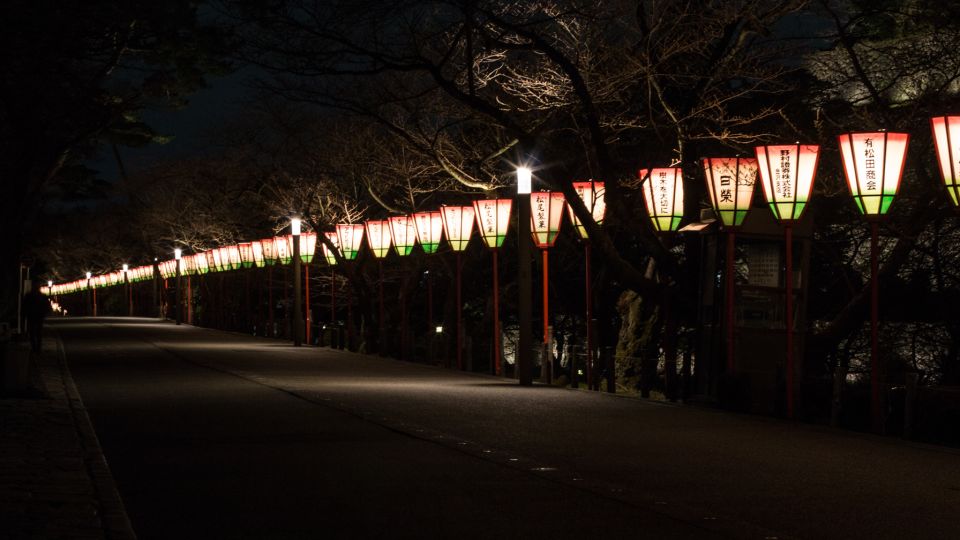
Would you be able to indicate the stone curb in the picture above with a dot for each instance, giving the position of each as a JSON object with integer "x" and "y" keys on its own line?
{"x": 113, "y": 514}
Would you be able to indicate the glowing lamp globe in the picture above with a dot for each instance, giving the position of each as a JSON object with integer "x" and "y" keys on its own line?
{"x": 429, "y": 227}
{"x": 269, "y": 248}
{"x": 284, "y": 249}
{"x": 873, "y": 163}
{"x": 730, "y": 184}
{"x": 546, "y": 215}
{"x": 592, "y": 194}
{"x": 493, "y": 220}
{"x": 458, "y": 225}
{"x": 378, "y": 237}
{"x": 351, "y": 238}
{"x": 328, "y": 253}
{"x": 787, "y": 172}
{"x": 946, "y": 136}
{"x": 246, "y": 254}
{"x": 663, "y": 196}
{"x": 404, "y": 234}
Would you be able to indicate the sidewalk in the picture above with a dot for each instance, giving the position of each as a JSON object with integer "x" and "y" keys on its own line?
{"x": 54, "y": 481}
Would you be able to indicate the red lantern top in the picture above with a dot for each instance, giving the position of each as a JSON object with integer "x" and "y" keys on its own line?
{"x": 592, "y": 194}
{"x": 493, "y": 220}
{"x": 546, "y": 216}
{"x": 429, "y": 230}
{"x": 458, "y": 225}
{"x": 787, "y": 172}
{"x": 873, "y": 164}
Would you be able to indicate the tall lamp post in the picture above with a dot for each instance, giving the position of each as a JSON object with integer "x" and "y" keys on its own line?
{"x": 126, "y": 282}
{"x": 524, "y": 280}
{"x": 458, "y": 226}
{"x": 297, "y": 306}
{"x": 592, "y": 194}
{"x": 378, "y": 236}
{"x": 177, "y": 256}
{"x": 786, "y": 174}
{"x": 93, "y": 295}
{"x": 873, "y": 163}
{"x": 404, "y": 234}
{"x": 730, "y": 184}
{"x": 493, "y": 220}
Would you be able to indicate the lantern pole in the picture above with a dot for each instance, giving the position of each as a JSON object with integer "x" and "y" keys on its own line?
{"x": 524, "y": 359}
{"x": 430, "y": 324}
{"x": 333, "y": 298}
{"x": 381, "y": 337}
{"x": 875, "y": 370}
{"x": 189, "y": 299}
{"x": 297, "y": 285}
{"x": 589, "y": 302}
{"x": 496, "y": 314}
{"x": 90, "y": 294}
{"x": 546, "y": 295}
{"x": 306, "y": 294}
{"x": 177, "y": 256}
{"x": 459, "y": 313}
{"x": 788, "y": 281}
{"x": 731, "y": 326}
{"x": 270, "y": 300}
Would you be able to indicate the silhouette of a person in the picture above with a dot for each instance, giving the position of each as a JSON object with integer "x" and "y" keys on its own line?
{"x": 36, "y": 307}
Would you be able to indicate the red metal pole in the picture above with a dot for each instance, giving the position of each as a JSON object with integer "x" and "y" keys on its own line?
{"x": 429, "y": 302}
{"x": 94, "y": 301}
{"x": 459, "y": 318}
{"x": 876, "y": 372}
{"x": 589, "y": 303}
{"x": 731, "y": 322}
{"x": 270, "y": 300}
{"x": 496, "y": 316}
{"x": 333, "y": 296}
{"x": 788, "y": 233}
{"x": 306, "y": 292}
{"x": 546, "y": 296}
{"x": 189, "y": 301}
{"x": 381, "y": 345}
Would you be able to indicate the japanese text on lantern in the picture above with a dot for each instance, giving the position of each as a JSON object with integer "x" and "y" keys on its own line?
{"x": 491, "y": 221}
{"x": 870, "y": 164}
{"x": 541, "y": 212}
{"x": 784, "y": 175}
{"x": 664, "y": 198}
{"x": 726, "y": 195}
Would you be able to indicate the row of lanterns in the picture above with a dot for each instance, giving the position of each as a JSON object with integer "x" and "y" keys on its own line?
{"x": 873, "y": 164}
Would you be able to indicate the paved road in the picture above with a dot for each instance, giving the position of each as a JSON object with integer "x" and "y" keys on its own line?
{"x": 219, "y": 435}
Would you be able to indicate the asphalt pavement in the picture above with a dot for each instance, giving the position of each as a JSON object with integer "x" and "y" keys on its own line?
{"x": 220, "y": 435}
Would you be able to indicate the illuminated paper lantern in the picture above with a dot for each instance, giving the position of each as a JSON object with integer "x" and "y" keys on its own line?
{"x": 546, "y": 215}
{"x": 234, "y": 260}
{"x": 663, "y": 196}
{"x": 493, "y": 220}
{"x": 592, "y": 194}
{"x": 351, "y": 238}
{"x": 201, "y": 262}
{"x": 404, "y": 234}
{"x": 328, "y": 253}
{"x": 786, "y": 175}
{"x": 730, "y": 184}
{"x": 246, "y": 254}
{"x": 429, "y": 230}
{"x": 284, "y": 249}
{"x": 873, "y": 163}
{"x": 308, "y": 246}
{"x": 269, "y": 251}
{"x": 188, "y": 266}
{"x": 458, "y": 225}
{"x": 378, "y": 237}
{"x": 946, "y": 136}
{"x": 256, "y": 250}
